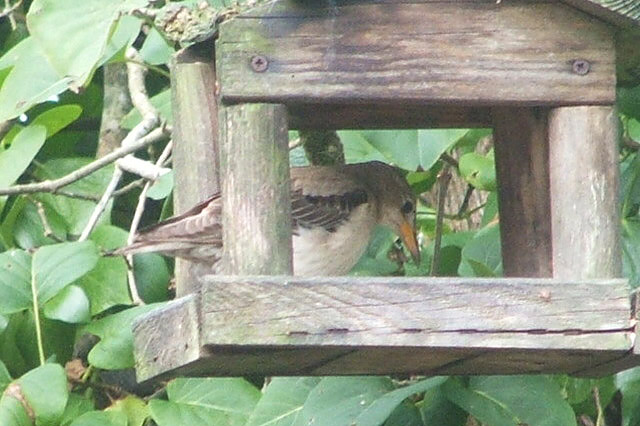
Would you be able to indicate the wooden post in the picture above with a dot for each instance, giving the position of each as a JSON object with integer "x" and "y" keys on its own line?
{"x": 195, "y": 135}
{"x": 256, "y": 191}
{"x": 584, "y": 192}
{"x": 522, "y": 153}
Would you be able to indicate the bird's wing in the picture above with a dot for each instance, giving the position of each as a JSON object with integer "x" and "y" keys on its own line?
{"x": 199, "y": 226}
{"x": 324, "y": 198}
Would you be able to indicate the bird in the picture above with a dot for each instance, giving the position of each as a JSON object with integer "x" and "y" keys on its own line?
{"x": 334, "y": 210}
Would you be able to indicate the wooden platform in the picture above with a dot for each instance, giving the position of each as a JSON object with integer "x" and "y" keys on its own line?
{"x": 275, "y": 325}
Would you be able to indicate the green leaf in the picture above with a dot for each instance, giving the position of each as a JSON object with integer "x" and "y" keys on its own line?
{"x": 629, "y": 384}
{"x": 340, "y": 400}
{"x": 28, "y": 228}
{"x": 480, "y": 406}
{"x": 57, "y": 118}
{"x": 44, "y": 390}
{"x": 152, "y": 277}
{"x": 115, "y": 349}
{"x": 31, "y": 81}
{"x": 77, "y": 405}
{"x": 155, "y": 49}
{"x": 498, "y": 400}
{"x": 478, "y": 170}
{"x": 162, "y": 187}
{"x": 15, "y": 281}
{"x": 56, "y": 266}
{"x": 435, "y": 142}
{"x": 282, "y": 401}
{"x": 482, "y": 255}
{"x": 123, "y": 36}
{"x": 227, "y": 401}
{"x": 134, "y": 408}
{"x": 15, "y": 160}
{"x": 436, "y": 409}
{"x": 12, "y": 413}
{"x": 74, "y": 211}
{"x": 5, "y": 377}
{"x": 70, "y": 305}
{"x": 631, "y": 251}
{"x": 73, "y": 35}
{"x": 162, "y": 102}
{"x": 381, "y": 408}
{"x": 112, "y": 270}
{"x": 101, "y": 418}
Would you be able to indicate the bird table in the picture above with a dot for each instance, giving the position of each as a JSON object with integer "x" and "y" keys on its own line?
{"x": 542, "y": 75}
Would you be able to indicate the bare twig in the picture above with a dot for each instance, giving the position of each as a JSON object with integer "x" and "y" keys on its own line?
{"x": 48, "y": 232}
{"x": 136, "y": 221}
{"x": 54, "y": 185}
{"x": 444, "y": 178}
{"x": 465, "y": 202}
{"x": 140, "y": 99}
{"x": 8, "y": 11}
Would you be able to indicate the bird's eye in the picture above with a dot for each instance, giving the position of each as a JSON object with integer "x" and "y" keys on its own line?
{"x": 407, "y": 207}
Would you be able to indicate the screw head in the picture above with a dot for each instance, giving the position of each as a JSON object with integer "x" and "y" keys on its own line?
{"x": 259, "y": 63}
{"x": 581, "y": 66}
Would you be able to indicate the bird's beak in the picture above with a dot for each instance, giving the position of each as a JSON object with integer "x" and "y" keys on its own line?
{"x": 408, "y": 236}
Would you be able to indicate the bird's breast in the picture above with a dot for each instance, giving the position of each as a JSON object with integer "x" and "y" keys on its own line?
{"x": 317, "y": 251}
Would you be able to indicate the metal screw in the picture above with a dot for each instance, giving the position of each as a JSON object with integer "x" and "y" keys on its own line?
{"x": 259, "y": 63}
{"x": 581, "y": 67}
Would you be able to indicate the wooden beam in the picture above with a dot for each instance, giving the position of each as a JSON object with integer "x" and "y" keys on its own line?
{"x": 195, "y": 136}
{"x": 256, "y": 217}
{"x": 382, "y": 53}
{"x": 354, "y": 116}
{"x": 584, "y": 192}
{"x": 522, "y": 166}
{"x": 272, "y": 325}
{"x": 584, "y": 175}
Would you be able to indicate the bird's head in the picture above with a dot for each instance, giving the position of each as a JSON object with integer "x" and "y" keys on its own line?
{"x": 396, "y": 205}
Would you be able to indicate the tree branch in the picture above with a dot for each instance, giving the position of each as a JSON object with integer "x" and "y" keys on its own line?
{"x": 53, "y": 185}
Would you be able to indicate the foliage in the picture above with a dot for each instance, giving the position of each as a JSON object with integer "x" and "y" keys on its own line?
{"x": 63, "y": 304}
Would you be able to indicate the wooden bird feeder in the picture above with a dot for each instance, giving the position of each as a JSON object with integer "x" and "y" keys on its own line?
{"x": 541, "y": 74}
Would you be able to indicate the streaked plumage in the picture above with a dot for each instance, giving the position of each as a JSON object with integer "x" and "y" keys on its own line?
{"x": 334, "y": 212}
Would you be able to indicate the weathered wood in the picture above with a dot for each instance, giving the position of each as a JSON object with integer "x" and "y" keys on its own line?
{"x": 256, "y": 217}
{"x": 522, "y": 166}
{"x": 624, "y": 13}
{"x": 338, "y": 116}
{"x": 584, "y": 192}
{"x": 167, "y": 338}
{"x": 195, "y": 136}
{"x": 350, "y": 325}
{"x": 383, "y": 53}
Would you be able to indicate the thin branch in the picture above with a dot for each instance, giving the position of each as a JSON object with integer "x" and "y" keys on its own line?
{"x": 140, "y": 99}
{"x": 8, "y": 11}
{"x": 444, "y": 178}
{"x": 449, "y": 160}
{"x": 48, "y": 232}
{"x": 136, "y": 221}
{"x": 465, "y": 202}
{"x": 54, "y": 185}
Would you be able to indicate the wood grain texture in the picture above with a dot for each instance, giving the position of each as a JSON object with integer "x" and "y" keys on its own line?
{"x": 167, "y": 338}
{"x": 383, "y": 53}
{"x": 282, "y": 325}
{"x": 584, "y": 192}
{"x": 339, "y": 116}
{"x": 195, "y": 136}
{"x": 256, "y": 215}
{"x": 623, "y": 13}
{"x": 522, "y": 166}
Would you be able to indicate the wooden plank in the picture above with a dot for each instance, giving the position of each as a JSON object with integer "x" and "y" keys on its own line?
{"x": 351, "y": 116}
{"x": 522, "y": 166}
{"x": 382, "y": 53}
{"x": 256, "y": 216}
{"x": 274, "y": 325}
{"x": 584, "y": 182}
{"x": 584, "y": 192}
{"x": 167, "y": 338}
{"x": 195, "y": 136}
{"x": 623, "y": 13}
